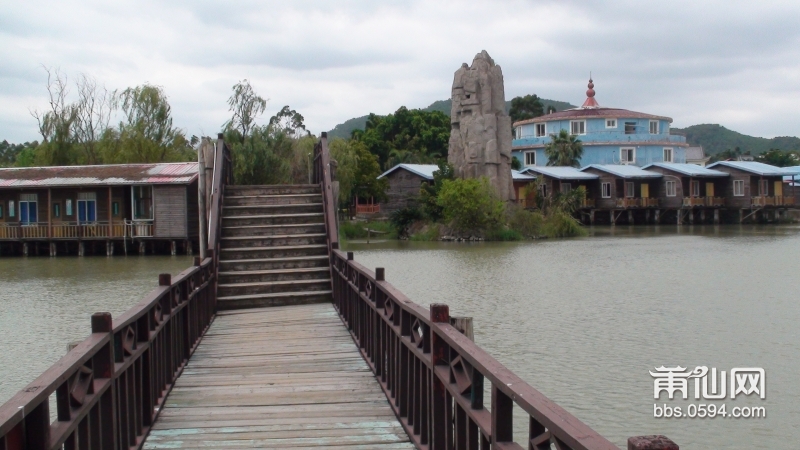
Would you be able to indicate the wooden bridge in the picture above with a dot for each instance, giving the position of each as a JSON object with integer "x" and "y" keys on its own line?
{"x": 278, "y": 339}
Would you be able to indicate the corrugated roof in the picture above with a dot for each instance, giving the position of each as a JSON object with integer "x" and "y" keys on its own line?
{"x": 756, "y": 168}
{"x": 692, "y": 170}
{"x": 519, "y": 176}
{"x": 624, "y": 171}
{"x": 423, "y": 170}
{"x": 796, "y": 176}
{"x": 695, "y": 153}
{"x": 562, "y": 172}
{"x": 592, "y": 113}
{"x": 99, "y": 175}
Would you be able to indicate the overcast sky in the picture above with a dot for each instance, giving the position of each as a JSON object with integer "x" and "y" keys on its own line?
{"x": 726, "y": 62}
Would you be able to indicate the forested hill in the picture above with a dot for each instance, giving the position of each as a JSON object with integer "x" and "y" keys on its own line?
{"x": 716, "y": 139}
{"x": 343, "y": 130}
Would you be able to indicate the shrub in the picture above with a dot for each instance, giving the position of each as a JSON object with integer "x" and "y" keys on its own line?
{"x": 430, "y": 233}
{"x": 358, "y": 230}
{"x": 471, "y": 205}
{"x": 401, "y": 219}
{"x": 504, "y": 234}
{"x": 526, "y": 223}
{"x": 429, "y": 193}
{"x": 561, "y": 224}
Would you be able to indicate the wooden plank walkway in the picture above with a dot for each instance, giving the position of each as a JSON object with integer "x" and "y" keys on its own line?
{"x": 280, "y": 377}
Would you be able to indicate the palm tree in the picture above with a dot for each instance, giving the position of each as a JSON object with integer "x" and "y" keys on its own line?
{"x": 564, "y": 149}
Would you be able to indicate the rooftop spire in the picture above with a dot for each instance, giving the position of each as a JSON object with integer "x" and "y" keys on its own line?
{"x": 590, "y": 101}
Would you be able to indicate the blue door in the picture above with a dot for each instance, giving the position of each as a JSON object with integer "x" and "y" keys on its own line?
{"x": 27, "y": 212}
{"x": 87, "y": 211}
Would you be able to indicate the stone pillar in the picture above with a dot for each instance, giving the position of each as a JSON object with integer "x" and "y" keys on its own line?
{"x": 716, "y": 217}
{"x": 654, "y": 442}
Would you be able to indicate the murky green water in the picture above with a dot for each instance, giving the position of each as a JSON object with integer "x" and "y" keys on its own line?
{"x": 45, "y": 303}
{"x": 585, "y": 320}
{"x": 582, "y": 320}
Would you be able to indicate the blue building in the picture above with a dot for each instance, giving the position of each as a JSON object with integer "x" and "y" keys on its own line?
{"x": 609, "y": 136}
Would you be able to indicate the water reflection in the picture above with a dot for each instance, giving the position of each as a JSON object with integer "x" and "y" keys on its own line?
{"x": 45, "y": 303}
{"x": 584, "y": 320}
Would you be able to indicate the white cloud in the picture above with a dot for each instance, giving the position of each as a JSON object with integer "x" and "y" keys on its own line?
{"x": 734, "y": 63}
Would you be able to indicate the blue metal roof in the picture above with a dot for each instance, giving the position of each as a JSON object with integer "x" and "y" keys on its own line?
{"x": 795, "y": 175}
{"x": 519, "y": 176}
{"x": 692, "y": 170}
{"x": 561, "y": 172}
{"x": 624, "y": 171}
{"x": 423, "y": 170}
{"x": 757, "y": 168}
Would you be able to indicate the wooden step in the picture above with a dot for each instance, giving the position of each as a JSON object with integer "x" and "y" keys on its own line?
{"x": 279, "y": 299}
{"x": 257, "y": 264}
{"x": 280, "y": 189}
{"x": 273, "y": 287}
{"x": 282, "y": 199}
{"x": 277, "y": 240}
{"x": 257, "y": 210}
{"x": 261, "y": 276}
{"x": 273, "y": 219}
{"x": 273, "y": 252}
{"x": 270, "y": 230}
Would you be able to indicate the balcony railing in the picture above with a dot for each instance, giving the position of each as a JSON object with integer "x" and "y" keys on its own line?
{"x": 637, "y": 202}
{"x": 703, "y": 201}
{"x": 137, "y": 228}
{"x": 772, "y": 201}
{"x": 368, "y": 209}
{"x": 587, "y": 203}
{"x": 66, "y": 230}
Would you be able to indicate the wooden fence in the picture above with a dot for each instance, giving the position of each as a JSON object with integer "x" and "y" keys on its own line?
{"x": 109, "y": 389}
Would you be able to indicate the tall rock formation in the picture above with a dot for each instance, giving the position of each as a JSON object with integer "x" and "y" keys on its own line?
{"x": 480, "y": 138}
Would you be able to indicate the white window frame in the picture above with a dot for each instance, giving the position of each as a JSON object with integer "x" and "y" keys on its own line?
{"x": 603, "y": 188}
{"x": 763, "y": 188}
{"x": 517, "y": 132}
{"x": 623, "y": 150}
{"x": 738, "y": 188}
{"x": 653, "y": 122}
{"x": 582, "y": 125}
{"x": 536, "y": 131}
{"x": 694, "y": 188}
{"x": 565, "y": 188}
{"x": 526, "y": 157}
{"x": 11, "y": 211}
{"x": 670, "y": 187}
{"x": 611, "y": 123}
{"x": 630, "y": 189}
{"x": 671, "y": 154}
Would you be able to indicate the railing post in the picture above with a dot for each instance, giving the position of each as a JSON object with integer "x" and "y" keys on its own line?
{"x": 441, "y": 419}
{"x": 164, "y": 279}
{"x": 652, "y": 442}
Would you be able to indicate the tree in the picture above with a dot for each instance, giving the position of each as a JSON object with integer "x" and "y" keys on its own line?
{"x": 263, "y": 157}
{"x": 779, "y": 158}
{"x": 365, "y": 178}
{"x": 411, "y": 134}
{"x": 523, "y": 108}
{"x": 246, "y": 106}
{"x": 146, "y": 134}
{"x": 289, "y": 122}
{"x": 93, "y": 113}
{"x": 564, "y": 149}
{"x": 471, "y": 205}
{"x": 55, "y": 124}
{"x": 429, "y": 192}
{"x": 346, "y": 161}
{"x": 516, "y": 164}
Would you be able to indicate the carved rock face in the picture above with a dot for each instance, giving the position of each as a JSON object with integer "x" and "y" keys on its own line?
{"x": 480, "y": 138}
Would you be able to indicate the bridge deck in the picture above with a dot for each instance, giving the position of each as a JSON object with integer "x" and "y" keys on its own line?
{"x": 281, "y": 377}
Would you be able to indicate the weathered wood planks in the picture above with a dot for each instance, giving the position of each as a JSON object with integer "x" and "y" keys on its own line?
{"x": 282, "y": 377}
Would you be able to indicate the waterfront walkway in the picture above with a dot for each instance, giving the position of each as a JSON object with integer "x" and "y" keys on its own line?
{"x": 281, "y": 377}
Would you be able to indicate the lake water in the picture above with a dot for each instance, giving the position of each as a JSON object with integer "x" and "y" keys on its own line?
{"x": 585, "y": 320}
{"x": 45, "y": 303}
{"x": 582, "y": 320}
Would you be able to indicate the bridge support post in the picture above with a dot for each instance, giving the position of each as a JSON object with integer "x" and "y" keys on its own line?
{"x": 189, "y": 249}
{"x": 53, "y": 249}
{"x": 630, "y": 217}
{"x": 702, "y": 216}
{"x": 24, "y": 249}
{"x": 81, "y": 248}
{"x": 657, "y": 218}
{"x": 441, "y": 417}
{"x": 173, "y": 248}
{"x": 141, "y": 248}
{"x": 591, "y": 217}
{"x": 653, "y": 442}
{"x": 741, "y": 216}
{"x": 109, "y": 248}
{"x": 691, "y": 217}
{"x": 716, "y": 217}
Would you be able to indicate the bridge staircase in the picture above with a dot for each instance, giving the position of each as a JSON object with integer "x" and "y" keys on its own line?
{"x": 273, "y": 249}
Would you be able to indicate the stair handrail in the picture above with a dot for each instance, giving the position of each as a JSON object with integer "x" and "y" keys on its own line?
{"x": 223, "y": 175}
{"x": 324, "y": 177}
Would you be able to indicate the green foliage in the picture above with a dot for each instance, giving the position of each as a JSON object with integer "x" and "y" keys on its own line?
{"x": 515, "y": 163}
{"x": 564, "y": 149}
{"x": 263, "y": 157}
{"x": 779, "y": 158}
{"x": 471, "y": 205}
{"x": 413, "y": 136}
{"x": 716, "y": 139}
{"x": 559, "y": 224}
{"x": 358, "y": 230}
{"x": 9, "y": 152}
{"x": 290, "y": 122}
{"x": 527, "y": 223}
{"x": 344, "y": 156}
{"x": 429, "y": 193}
{"x": 431, "y": 233}
{"x": 403, "y": 218}
{"x": 503, "y": 234}
{"x": 246, "y": 106}
{"x": 527, "y": 107}
{"x": 365, "y": 177}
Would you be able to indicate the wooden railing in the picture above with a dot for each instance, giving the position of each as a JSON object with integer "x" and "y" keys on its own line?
{"x": 65, "y": 230}
{"x": 433, "y": 376}
{"x": 772, "y": 201}
{"x": 368, "y": 209}
{"x": 110, "y": 388}
{"x": 587, "y": 203}
{"x": 138, "y": 228}
{"x": 703, "y": 201}
{"x": 628, "y": 202}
